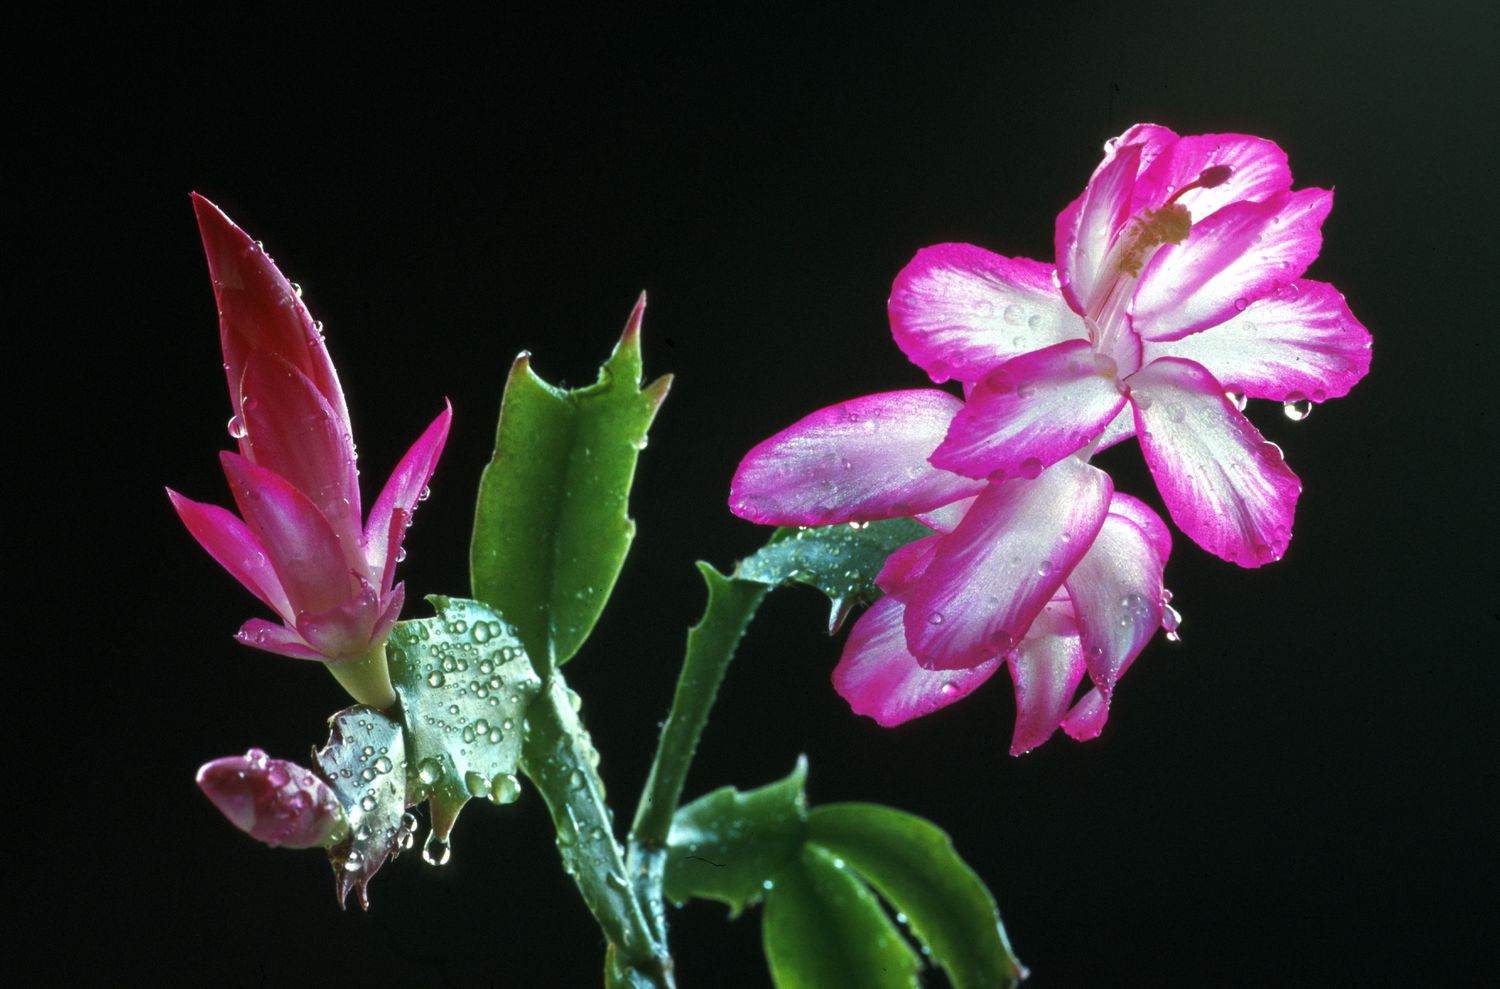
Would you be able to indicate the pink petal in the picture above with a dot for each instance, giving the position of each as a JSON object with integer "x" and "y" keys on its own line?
{"x": 1120, "y": 429}
{"x": 270, "y": 637}
{"x": 391, "y": 606}
{"x": 880, "y": 678}
{"x": 346, "y": 629}
{"x": 273, "y": 800}
{"x": 1258, "y": 171}
{"x": 292, "y": 430}
{"x": 259, "y": 310}
{"x": 1300, "y": 342}
{"x": 993, "y": 574}
{"x": 860, "y": 460}
{"x": 906, "y": 565}
{"x": 1235, "y": 257}
{"x": 1134, "y": 510}
{"x": 298, "y": 541}
{"x": 1117, "y": 592}
{"x": 1033, "y": 411}
{"x": 1087, "y": 229}
{"x": 231, "y": 543}
{"x": 1225, "y": 487}
{"x": 1088, "y": 716}
{"x": 958, "y": 310}
{"x": 1046, "y": 669}
{"x": 403, "y": 489}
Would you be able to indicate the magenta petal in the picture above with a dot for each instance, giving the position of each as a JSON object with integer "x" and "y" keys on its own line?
{"x": 292, "y": 430}
{"x": 231, "y": 543}
{"x": 299, "y": 542}
{"x": 391, "y": 606}
{"x": 1227, "y": 488}
{"x": 1087, "y": 230}
{"x": 403, "y": 489}
{"x": 1300, "y": 342}
{"x": 1117, "y": 597}
{"x": 1046, "y": 668}
{"x": 906, "y": 565}
{"x": 260, "y": 634}
{"x": 993, "y": 574}
{"x": 860, "y": 460}
{"x": 1132, "y": 509}
{"x": 259, "y": 310}
{"x": 880, "y": 678}
{"x": 345, "y": 630}
{"x": 958, "y": 310}
{"x": 1088, "y": 716}
{"x": 1257, "y": 171}
{"x": 1031, "y": 412}
{"x": 273, "y": 800}
{"x": 1235, "y": 257}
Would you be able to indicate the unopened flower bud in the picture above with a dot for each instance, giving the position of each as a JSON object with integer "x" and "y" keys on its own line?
{"x": 274, "y": 801}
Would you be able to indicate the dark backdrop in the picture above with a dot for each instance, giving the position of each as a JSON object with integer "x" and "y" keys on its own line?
{"x": 1299, "y": 793}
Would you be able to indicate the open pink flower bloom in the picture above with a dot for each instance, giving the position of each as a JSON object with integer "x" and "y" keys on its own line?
{"x": 274, "y": 801}
{"x": 1177, "y": 292}
{"x": 1055, "y": 574}
{"x": 298, "y": 543}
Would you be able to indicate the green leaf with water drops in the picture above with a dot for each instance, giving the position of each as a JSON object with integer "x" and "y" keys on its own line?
{"x": 823, "y": 928}
{"x": 842, "y": 561}
{"x": 365, "y": 763}
{"x": 913, "y": 865}
{"x": 728, "y": 844}
{"x": 465, "y": 683}
{"x": 551, "y": 530}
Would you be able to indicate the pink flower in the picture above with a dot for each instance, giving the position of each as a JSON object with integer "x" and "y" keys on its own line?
{"x": 274, "y": 801}
{"x": 298, "y": 543}
{"x": 1055, "y": 574}
{"x": 1177, "y": 293}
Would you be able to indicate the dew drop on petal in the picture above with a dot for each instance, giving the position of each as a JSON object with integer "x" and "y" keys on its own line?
{"x": 936, "y": 618}
{"x": 1171, "y": 618}
{"x": 1297, "y": 408}
{"x": 1242, "y": 304}
{"x": 236, "y": 428}
{"x": 1237, "y": 399}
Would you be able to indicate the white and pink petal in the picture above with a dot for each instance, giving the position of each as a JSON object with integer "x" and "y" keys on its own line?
{"x": 881, "y": 679}
{"x": 1257, "y": 170}
{"x": 1227, "y": 488}
{"x": 857, "y": 461}
{"x": 992, "y": 575}
{"x": 1032, "y": 412}
{"x": 1046, "y": 668}
{"x": 1233, "y": 258}
{"x": 958, "y": 311}
{"x": 1300, "y": 342}
{"x": 1116, "y": 591}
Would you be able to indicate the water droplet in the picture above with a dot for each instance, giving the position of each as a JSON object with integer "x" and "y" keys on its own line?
{"x": 1297, "y": 408}
{"x": 1002, "y": 641}
{"x": 1173, "y": 637}
{"x": 1237, "y": 399}
{"x": 1014, "y": 315}
{"x": 951, "y": 689}
{"x": 297, "y": 290}
{"x": 481, "y": 633}
{"x": 369, "y": 802}
{"x": 574, "y": 701}
{"x": 383, "y": 765}
{"x": 236, "y": 428}
{"x": 1033, "y": 322}
{"x": 1242, "y": 304}
{"x": 429, "y": 771}
{"x": 505, "y": 788}
{"x": 1031, "y": 468}
{"x": 436, "y": 678}
{"x": 477, "y": 783}
{"x": 354, "y": 862}
{"x": 436, "y": 851}
{"x": 1171, "y": 618}
{"x": 936, "y": 618}
{"x": 1175, "y": 412}
{"x": 401, "y": 554}
{"x": 576, "y": 779}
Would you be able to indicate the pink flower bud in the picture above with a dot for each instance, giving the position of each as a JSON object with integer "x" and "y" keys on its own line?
{"x": 274, "y": 801}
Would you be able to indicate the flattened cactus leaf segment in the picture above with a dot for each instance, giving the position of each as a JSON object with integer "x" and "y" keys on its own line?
{"x": 727, "y": 844}
{"x": 551, "y": 529}
{"x": 822, "y": 928}
{"x": 842, "y": 561}
{"x": 465, "y": 683}
{"x": 365, "y": 763}
{"x": 913, "y": 865}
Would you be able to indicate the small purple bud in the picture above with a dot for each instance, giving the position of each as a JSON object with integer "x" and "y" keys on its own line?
{"x": 274, "y": 801}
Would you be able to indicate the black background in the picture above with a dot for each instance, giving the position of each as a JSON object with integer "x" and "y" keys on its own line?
{"x": 1301, "y": 793}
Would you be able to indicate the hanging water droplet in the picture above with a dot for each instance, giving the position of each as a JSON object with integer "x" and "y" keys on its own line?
{"x": 1171, "y": 618}
{"x": 297, "y": 290}
{"x": 1173, "y": 637}
{"x": 236, "y": 428}
{"x": 436, "y": 851}
{"x": 1297, "y": 408}
{"x": 1237, "y": 399}
{"x": 505, "y": 789}
{"x": 401, "y": 555}
{"x": 354, "y": 862}
{"x": 477, "y": 783}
